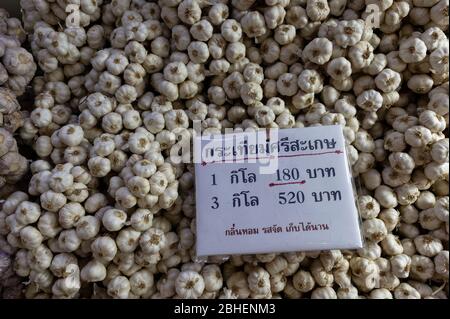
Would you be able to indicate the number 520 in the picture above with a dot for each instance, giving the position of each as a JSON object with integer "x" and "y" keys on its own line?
{"x": 291, "y": 198}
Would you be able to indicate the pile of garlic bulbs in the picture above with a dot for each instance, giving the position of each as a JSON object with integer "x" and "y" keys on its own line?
{"x": 108, "y": 213}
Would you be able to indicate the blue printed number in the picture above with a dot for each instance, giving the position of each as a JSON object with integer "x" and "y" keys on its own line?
{"x": 215, "y": 204}
{"x": 291, "y": 198}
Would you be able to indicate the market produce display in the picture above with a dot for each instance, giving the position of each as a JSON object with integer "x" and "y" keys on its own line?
{"x": 96, "y": 95}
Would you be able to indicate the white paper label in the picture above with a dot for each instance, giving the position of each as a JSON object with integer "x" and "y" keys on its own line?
{"x": 278, "y": 191}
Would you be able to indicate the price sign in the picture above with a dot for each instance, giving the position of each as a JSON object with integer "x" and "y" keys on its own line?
{"x": 275, "y": 191}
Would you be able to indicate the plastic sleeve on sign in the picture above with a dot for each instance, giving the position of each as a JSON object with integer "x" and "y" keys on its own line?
{"x": 306, "y": 157}
{"x": 357, "y": 191}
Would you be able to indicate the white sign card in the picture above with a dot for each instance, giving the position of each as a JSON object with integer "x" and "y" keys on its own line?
{"x": 274, "y": 191}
